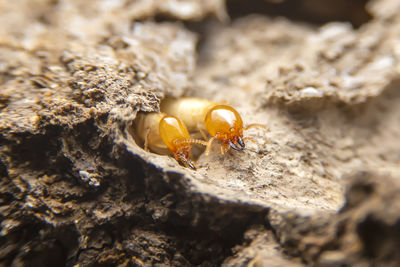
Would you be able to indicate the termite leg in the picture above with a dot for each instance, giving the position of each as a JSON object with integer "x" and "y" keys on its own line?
{"x": 209, "y": 143}
{"x": 224, "y": 149}
{"x": 146, "y": 140}
{"x": 203, "y": 134}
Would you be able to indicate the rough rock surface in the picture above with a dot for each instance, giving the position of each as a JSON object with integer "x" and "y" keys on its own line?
{"x": 320, "y": 186}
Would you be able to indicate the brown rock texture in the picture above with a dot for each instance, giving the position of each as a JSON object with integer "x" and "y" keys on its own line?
{"x": 320, "y": 186}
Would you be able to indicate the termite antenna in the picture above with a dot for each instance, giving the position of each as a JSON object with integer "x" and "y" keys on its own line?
{"x": 255, "y": 125}
{"x": 196, "y": 141}
{"x": 192, "y": 141}
{"x": 250, "y": 139}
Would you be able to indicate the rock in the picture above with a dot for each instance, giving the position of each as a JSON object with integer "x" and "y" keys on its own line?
{"x": 318, "y": 187}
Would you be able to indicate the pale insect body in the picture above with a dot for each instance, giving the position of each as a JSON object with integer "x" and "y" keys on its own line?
{"x": 147, "y": 129}
{"x": 192, "y": 111}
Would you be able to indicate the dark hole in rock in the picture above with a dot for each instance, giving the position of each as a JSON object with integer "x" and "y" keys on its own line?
{"x": 380, "y": 241}
{"x": 311, "y": 11}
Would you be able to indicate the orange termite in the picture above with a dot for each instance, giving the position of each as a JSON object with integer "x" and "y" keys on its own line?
{"x": 162, "y": 133}
{"x": 222, "y": 122}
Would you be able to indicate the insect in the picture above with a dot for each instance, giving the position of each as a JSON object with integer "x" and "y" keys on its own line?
{"x": 190, "y": 110}
{"x": 222, "y": 122}
{"x": 163, "y": 134}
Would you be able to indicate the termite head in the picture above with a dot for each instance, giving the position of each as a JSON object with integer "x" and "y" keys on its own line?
{"x": 176, "y": 137}
{"x": 225, "y": 124}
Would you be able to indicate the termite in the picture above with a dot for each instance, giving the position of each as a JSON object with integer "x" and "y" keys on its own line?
{"x": 222, "y": 122}
{"x": 162, "y": 133}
